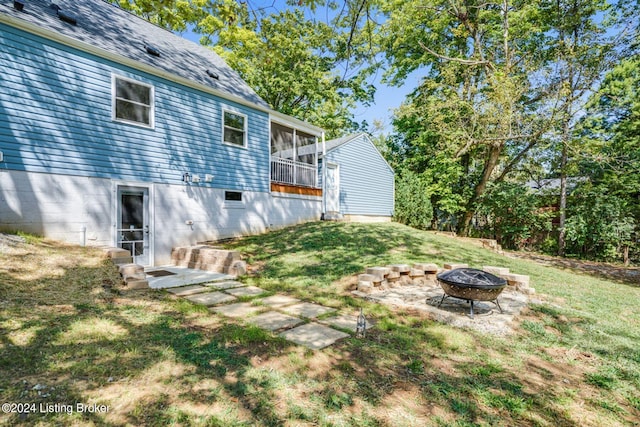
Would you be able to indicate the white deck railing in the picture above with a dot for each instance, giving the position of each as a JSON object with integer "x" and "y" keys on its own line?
{"x": 288, "y": 171}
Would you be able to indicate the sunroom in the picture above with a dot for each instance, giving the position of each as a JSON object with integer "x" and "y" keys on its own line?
{"x": 294, "y": 156}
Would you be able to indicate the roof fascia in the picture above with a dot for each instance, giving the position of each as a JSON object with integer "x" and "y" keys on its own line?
{"x": 289, "y": 121}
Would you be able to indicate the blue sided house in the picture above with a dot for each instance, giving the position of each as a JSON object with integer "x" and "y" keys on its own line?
{"x": 358, "y": 183}
{"x": 116, "y": 132}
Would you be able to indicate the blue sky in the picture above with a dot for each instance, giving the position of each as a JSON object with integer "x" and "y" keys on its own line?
{"x": 387, "y": 98}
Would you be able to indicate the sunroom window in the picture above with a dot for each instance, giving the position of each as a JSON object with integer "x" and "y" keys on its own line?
{"x": 132, "y": 101}
{"x": 293, "y": 156}
{"x": 235, "y": 128}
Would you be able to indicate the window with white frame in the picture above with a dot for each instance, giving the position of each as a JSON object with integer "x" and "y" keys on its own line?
{"x": 133, "y": 101}
{"x": 234, "y": 128}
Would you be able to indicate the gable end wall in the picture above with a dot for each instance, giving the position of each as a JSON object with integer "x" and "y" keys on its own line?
{"x": 366, "y": 180}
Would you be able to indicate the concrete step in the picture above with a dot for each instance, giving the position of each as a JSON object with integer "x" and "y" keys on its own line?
{"x": 118, "y": 256}
{"x": 136, "y": 284}
{"x": 209, "y": 258}
{"x": 333, "y": 216}
{"x": 129, "y": 269}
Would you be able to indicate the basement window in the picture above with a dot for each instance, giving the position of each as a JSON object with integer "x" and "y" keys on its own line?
{"x": 233, "y": 200}
{"x": 132, "y": 102}
{"x": 233, "y": 196}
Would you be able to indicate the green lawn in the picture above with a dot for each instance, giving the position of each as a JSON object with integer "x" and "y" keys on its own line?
{"x": 68, "y": 334}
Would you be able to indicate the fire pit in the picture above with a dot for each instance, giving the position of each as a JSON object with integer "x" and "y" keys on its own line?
{"x": 471, "y": 284}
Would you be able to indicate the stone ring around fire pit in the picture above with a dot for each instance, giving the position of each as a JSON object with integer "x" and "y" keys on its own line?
{"x": 471, "y": 284}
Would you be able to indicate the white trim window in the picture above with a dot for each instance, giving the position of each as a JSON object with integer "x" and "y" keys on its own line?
{"x": 132, "y": 102}
{"x": 234, "y": 128}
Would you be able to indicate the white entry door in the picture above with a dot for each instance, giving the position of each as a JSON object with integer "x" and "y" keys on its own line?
{"x": 133, "y": 227}
{"x": 332, "y": 188}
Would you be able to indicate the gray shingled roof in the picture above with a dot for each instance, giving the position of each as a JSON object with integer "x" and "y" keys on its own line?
{"x": 117, "y": 31}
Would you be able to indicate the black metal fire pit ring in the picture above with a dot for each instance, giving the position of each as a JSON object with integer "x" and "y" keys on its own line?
{"x": 471, "y": 284}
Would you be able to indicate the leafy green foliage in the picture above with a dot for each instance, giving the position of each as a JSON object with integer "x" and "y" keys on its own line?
{"x": 513, "y": 214}
{"x": 473, "y": 110}
{"x": 610, "y": 157}
{"x": 291, "y": 63}
{"x": 413, "y": 205}
{"x": 598, "y": 224}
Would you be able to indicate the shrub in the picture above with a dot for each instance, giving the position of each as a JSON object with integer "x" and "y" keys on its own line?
{"x": 514, "y": 216}
{"x": 413, "y": 204}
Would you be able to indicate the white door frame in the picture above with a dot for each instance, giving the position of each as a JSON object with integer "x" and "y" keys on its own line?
{"x": 117, "y": 186}
{"x": 327, "y": 204}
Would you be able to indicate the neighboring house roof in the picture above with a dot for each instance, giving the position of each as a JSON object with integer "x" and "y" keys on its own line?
{"x": 334, "y": 144}
{"x": 552, "y": 185}
{"x": 114, "y": 30}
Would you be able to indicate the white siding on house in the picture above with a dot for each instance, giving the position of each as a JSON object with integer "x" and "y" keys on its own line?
{"x": 80, "y": 210}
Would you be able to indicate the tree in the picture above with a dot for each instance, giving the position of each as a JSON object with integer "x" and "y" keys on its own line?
{"x": 582, "y": 49}
{"x": 610, "y": 136}
{"x": 474, "y": 108}
{"x": 292, "y": 67}
{"x": 412, "y": 206}
{"x": 599, "y": 225}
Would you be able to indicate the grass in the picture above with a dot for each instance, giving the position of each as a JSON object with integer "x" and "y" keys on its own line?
{"x": 69, "y": 333}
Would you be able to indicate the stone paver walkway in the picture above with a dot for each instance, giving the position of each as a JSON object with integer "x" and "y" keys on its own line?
{"x": 210, "y": 298}
{"x": 313, "y": 335}
{"x": 289, "y": 316}
{"x": 273, "y": 321}
{"x": 238, "y": 310}
{"x": 180, "y": 276}
{"x": 229, "y": 284}
{"x": 346, "y": 322}
{"x": 279, "y": 301}
{"x": 188, "y": 290}
{"x": 307, "y": 310}
{"x": 246, "y": 291}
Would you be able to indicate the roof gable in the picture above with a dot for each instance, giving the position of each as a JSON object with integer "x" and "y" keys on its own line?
{"x": 114, "y": 30}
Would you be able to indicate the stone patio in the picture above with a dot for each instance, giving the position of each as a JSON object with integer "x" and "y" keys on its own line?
{"x": 453, "y": 311}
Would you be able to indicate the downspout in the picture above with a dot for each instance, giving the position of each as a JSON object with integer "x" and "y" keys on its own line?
{"x": 324, "y": 177}
{"x": 295, "y": 158}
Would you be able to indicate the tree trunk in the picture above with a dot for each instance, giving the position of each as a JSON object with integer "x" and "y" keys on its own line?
{"x": 489, "y": 166}
{"x": 625, "y": 255}
{"x": 563, "y": 186}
